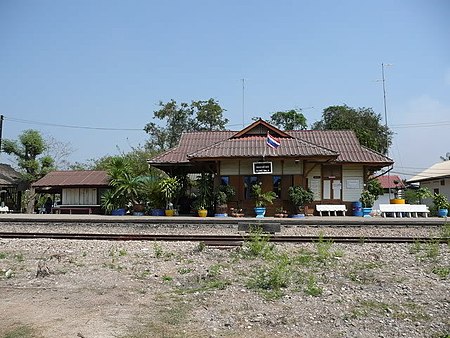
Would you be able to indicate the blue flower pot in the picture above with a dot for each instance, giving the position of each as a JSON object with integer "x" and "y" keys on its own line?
{"x": 260, "y": 211}
{"x": 158, "y": 212}
{"x": 118, "y": 212}
{"x": 442, "y": 212}
{"x": 366, "y": 212}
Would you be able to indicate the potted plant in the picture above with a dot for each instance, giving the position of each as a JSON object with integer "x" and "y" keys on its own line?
{"x": 300, "y": 197}
{"x": 155, "y": 198}
{"x": 132, "y": 188}
{"x": 169, "y": 187}
{"x": 281, "y": 213}
{"x": 223, "y": 195}
{"x": 203, "y": 202}
{"x": 262, "y": 199}
{"x": 441, "y": 203}
{"x": 113, "y": 203}
{"x": 367, "y": 199}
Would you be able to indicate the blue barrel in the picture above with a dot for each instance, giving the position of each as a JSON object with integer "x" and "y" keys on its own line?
{"x": 357, "y": 208}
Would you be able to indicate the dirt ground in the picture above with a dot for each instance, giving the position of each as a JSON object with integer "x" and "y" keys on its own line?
{"x": 56, "y": 289}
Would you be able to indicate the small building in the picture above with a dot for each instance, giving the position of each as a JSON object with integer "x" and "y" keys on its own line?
{"x": 331, "y": 163}
{"x": 393, "y": 187}
{"x": 11, "y": 188}
{"x": 436, "y": 178}
{"x": 79, "y": 190}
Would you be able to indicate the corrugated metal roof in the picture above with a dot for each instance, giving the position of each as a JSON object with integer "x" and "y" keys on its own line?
{"x": 345, "y": 143}
{"x": 74, "y": 178}
{"x": 217, "y": 144}
{"x": 436, "y": 171}
{"x": 256, "y": 146}
{"x": 8, "y": 176}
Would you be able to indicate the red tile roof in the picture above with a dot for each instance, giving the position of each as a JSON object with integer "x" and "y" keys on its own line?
{"x": 74, "y": 178}
{"x": 389, "y": 181}
{"x": 216, "y": 144}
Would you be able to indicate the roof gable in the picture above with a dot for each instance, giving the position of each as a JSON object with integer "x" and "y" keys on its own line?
{"x": 261, "y": 128}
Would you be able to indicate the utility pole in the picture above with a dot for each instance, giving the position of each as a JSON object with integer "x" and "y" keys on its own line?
{"x": 383, "y": 80}
{"x": 243, "y": 103}
{"x": 1, "y": 131}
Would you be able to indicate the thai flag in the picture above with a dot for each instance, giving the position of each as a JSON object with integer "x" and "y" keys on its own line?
{"x": 272, "y": 142}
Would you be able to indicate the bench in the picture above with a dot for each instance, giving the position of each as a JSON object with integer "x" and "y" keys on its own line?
{"x": 410, "y": 210}
{"x": 60, "y": 210}
{"x": 331, "y": 208}
{"x": 4, "y": 210}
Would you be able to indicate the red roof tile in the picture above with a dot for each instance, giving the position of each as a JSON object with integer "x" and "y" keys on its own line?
{"x": 74, "y": 178}
{"x": 389, "y": 181}
{"x": 305, "y": 143}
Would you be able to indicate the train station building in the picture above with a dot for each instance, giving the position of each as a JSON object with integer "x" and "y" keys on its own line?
{"x": 333, "y": 164}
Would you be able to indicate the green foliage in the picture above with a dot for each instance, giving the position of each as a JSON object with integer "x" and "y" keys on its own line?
{"x": 196, "y": 116}
{"x": 289, "y": 120}
{"x": 375, "y": 188}
{"x": 312, "y": 289}
{"x": 169, "y": 187}
{"x": 416, "y": 196}
{"x": 270, "y": 280}
{"x": 363, "y": 121}
{"x": 440, "y": 201}
{"x": 367, "y": 199}
{"x": 300, "y": 196}
{"x": 27, "y": 151}
{"x": 204, "y": 185}
{"x": 262, "y": 198}
{"x": 257, "y": 245}
{"x": 224, "y": 193}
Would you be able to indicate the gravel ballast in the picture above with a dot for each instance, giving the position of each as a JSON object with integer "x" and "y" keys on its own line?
{"x": 65, "y": 288}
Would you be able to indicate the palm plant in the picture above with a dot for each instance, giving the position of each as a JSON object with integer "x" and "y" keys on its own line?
{"x": 262, "y": 198}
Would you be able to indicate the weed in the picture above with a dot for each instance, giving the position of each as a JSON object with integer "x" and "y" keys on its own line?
{"x": 3, "y": 255}
{"x": 432, "y": 249}
{"x": 158, "y": 250}
{"x": 183, "y": 271}
{"x": 258, "y": 244}
{"x": 214, "y": 270}
{"x": 19, "y": 257}
{"x": 200, "y": 247}
{"x": 445, "y": 232}
{"x": 167, "y": 278}
{"x": 21, "y": 331}
{"x": 323, "y": 248}
{"x": 271, "y": 279}
{"x": 415, "y": 247}
{"x": 442, "y": 272}
{"x": 122, "y": 252}
{"x": 312, "y": 288}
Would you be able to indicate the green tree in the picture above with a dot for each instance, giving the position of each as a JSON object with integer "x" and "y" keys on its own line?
{"x": 183, "y": 117}
{"x": 363, "y": 121}
{"x": 289, "y": 120}
{"x": 27, "y": 150}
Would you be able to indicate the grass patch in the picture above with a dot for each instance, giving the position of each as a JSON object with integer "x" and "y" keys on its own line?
{"x": 257, "y": 245}
{"x": 3, "y": 255}
{"x": 21, "y": 331}
{"x": 408, "y": 310}
{"x": 441, "y": 271}
{"x": 312, "y": 289}
{"x": 19, "y": 257}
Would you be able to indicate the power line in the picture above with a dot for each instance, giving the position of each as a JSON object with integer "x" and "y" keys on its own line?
{"x": 11, "y": 119}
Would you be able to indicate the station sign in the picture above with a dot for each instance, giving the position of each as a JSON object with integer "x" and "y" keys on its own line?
{"x": 262, "y": 168}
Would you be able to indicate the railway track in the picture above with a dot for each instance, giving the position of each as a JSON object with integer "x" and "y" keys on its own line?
{"x": 219, "y": 240}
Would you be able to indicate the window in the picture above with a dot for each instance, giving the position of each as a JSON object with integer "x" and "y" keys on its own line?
{"x": 277, "y": 185}
{"x": 225, "y": 180}
{"x": 442, "y": 182}
{"x": 436, "y": 190}
{"x": 249, "y": 181}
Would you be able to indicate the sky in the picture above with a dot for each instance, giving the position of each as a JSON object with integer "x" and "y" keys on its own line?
{"x": 90, "y": 74}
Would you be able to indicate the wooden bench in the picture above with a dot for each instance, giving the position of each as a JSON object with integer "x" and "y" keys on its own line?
{"x": 72, "y": 209}
{"x": 410, "y": 210}
{"x": 331, "y": 208}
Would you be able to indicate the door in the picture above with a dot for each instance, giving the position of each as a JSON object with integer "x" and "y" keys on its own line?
{"x": 331, "y": 182}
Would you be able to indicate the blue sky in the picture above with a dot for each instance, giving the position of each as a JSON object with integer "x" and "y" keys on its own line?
{"x": 107, "y": 64}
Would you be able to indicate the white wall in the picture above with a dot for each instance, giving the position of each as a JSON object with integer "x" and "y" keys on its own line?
{"x": 352, "y": 183}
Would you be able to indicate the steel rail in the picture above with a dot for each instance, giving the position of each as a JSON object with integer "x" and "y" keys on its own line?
{"x": 235, "y": 239}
